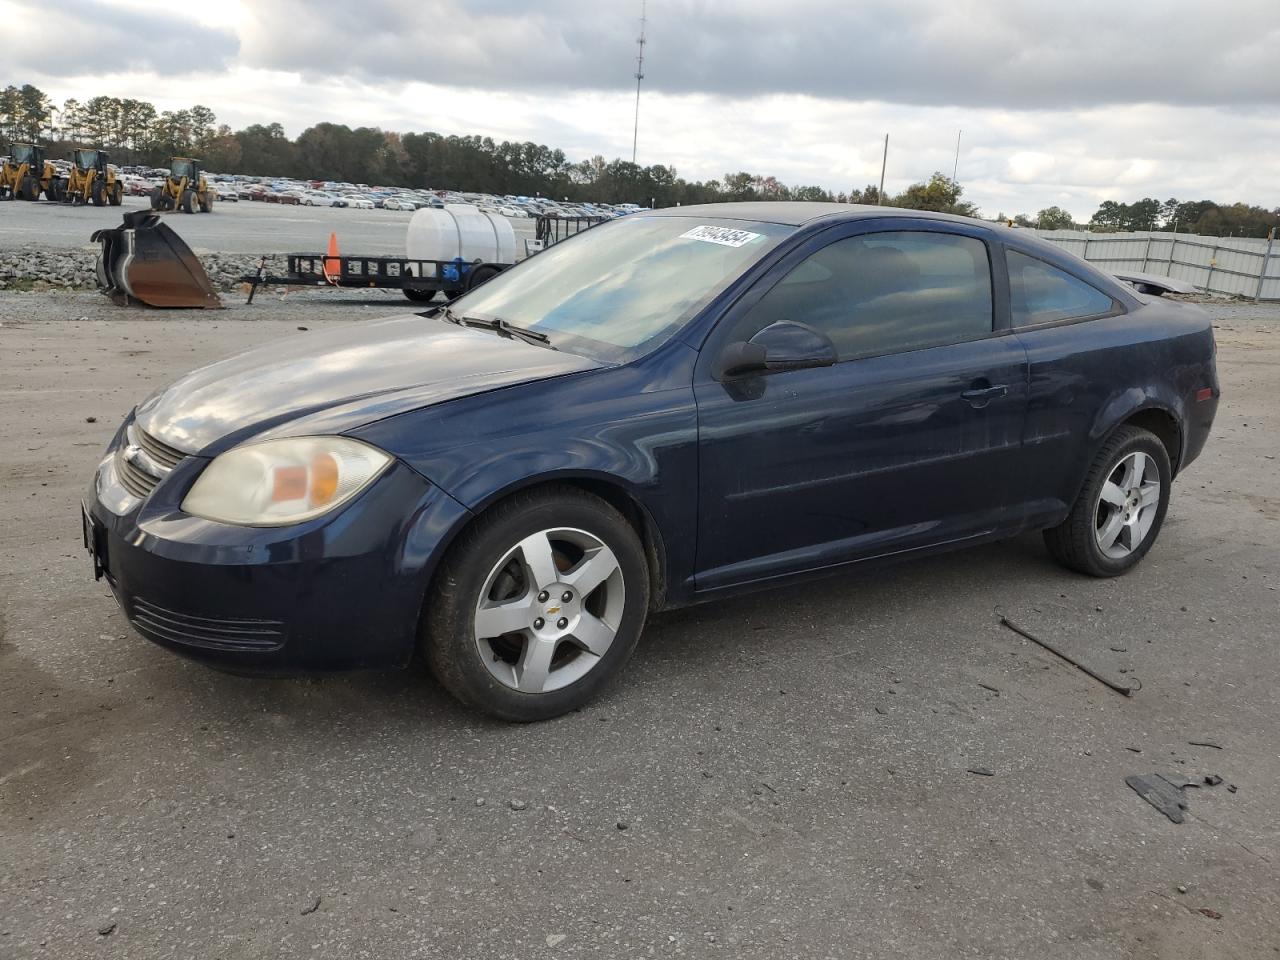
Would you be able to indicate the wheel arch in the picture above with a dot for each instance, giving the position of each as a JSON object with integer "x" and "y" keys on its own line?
{"x": 1151, "y": 415}
{"x": 1164, "y": 425}
{"x": 611, "y": 489}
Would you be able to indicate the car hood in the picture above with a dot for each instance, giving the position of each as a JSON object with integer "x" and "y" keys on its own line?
{"x": 330, "y": 382}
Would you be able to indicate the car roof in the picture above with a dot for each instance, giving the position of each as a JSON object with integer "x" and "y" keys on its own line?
{"x": 799, "y": 213}
{"x": 796, "y": 213}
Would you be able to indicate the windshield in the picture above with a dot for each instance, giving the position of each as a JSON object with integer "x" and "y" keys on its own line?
{"x": 620, "y": 289}
{"x": 24, "y": 153}
{"x": 182, "y": 168}
{"x": 86, "y": 159}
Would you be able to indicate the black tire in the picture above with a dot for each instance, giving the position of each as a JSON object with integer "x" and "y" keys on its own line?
{"x": 419, "y": 296}
{"x": 29, "y": 189}
{"x": 449, "y": 638}
{"x": 1073, "y": 543}
{"x": 116, "y": 196}
{"x": 188, "y": 201}
{"x": 158, "y": 197}
{"x": 98, "y": 193}
{"x": 57, "y": 191}
{"x": 480, "y": 274}
{"x": 206, "y": 205}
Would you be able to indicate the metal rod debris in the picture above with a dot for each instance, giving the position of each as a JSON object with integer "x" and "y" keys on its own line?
{"x": 1118, "y": 688}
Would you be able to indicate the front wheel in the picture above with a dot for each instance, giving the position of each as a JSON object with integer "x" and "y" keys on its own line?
{"x": 1121, "y": 508}
{"x": 538, "y": 605}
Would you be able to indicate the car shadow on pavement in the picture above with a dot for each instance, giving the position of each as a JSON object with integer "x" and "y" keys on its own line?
{"x": 817, "y": 618}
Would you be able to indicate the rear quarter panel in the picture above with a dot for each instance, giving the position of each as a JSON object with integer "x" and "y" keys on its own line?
{"x": 1087, "y": 378}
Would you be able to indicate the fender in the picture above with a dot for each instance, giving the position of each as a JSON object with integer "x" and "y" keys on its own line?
{"x": 623, "y": 430}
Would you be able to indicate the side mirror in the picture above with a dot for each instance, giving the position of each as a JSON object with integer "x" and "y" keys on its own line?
{"x": 785, "y": 345}
{"x": 738, "y": 359}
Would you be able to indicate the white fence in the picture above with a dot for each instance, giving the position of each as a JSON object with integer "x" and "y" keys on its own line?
{"x": 1231, "y": 265}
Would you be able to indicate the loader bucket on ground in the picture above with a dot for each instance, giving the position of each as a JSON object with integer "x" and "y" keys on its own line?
{"x": 145, "y": 260}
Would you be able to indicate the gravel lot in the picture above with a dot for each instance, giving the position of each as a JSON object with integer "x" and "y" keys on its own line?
{"x": 247, "y": 227}
{"x": 786, "y": 775}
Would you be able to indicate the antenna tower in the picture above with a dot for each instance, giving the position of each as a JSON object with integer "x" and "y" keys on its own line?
{"x": 635, "y": 133}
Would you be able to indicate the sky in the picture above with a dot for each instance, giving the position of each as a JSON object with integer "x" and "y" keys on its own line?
{"x": 1067, "y": 103}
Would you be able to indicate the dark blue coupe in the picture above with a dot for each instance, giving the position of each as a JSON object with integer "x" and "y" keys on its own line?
{"x": 667, "y": 408}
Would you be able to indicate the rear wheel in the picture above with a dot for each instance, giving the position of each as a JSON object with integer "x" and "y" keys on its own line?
{"x": 419, "y": 296}
{"x": 538, "y": 605}
{"x": 1121, "y": 508}
{"x": 29, "y": 189}
{"x": 158, "y": 196}
{"x": 206, "y": 204}
{"x": 98, "y": 193}
{"x": 188, "y": 201}
{"x": 480, "y": 274}
{"x": 116, "y": 196}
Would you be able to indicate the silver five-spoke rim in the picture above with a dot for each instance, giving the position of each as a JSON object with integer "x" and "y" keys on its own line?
{"x": 1127, "y": 506}
{"x": 549, "y": 610}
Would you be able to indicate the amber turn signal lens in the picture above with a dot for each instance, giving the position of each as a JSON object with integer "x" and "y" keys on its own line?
{"x": 324, "y": 478}
{"x": 289, "y": 483}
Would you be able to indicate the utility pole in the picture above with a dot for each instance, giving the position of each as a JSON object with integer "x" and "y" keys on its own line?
{"x": 635, "y": 133}
{"x": 883, "y": 164}
{"x": 956, "y": 169}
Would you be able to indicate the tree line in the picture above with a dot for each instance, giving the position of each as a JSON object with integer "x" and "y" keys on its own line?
{"x": 1203, "y": 217}
{"x": 135, "y": 132}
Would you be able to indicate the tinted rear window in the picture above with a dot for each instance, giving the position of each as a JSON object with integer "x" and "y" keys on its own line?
{"x": 1040, "y": 293}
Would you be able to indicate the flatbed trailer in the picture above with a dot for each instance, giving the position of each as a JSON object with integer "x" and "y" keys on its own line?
{"x": 420, "y": 280}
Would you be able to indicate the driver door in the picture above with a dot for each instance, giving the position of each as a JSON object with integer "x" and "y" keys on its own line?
{"x": 909, "y": 440}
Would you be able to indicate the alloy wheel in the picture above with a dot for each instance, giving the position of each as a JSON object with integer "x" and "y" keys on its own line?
{"x": 1127, "y": 505}
{"x": 549, "y": 610}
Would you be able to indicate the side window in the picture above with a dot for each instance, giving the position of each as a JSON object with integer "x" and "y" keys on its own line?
{"x": 1040, "y": 293}
{"x": 885, "y": 293}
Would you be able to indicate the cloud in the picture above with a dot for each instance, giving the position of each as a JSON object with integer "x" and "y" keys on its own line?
{"x": 924, "y": 52}
{"x": 1066, "y": 104}
{"x": 84, "y": 38}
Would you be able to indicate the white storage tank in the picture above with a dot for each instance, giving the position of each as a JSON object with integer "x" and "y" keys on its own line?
{"x": 460, "y": 231}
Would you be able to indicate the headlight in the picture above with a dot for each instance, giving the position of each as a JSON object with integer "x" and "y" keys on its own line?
{"x": 278, "y": 482}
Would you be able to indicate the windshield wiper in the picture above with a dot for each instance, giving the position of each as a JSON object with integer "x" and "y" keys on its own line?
{"x": 505, "y": 327}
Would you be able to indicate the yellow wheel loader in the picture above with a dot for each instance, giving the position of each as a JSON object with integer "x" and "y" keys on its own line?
{"x": 26, "y": 174}
{"x": 184, "y": 189}
{"x": 92, "y": 180}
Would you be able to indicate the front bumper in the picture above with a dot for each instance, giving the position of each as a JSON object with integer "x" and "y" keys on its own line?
{"x": 343, "y": 591}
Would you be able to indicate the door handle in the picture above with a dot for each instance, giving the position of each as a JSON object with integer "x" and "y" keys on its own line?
{"x": 981, "y": 396}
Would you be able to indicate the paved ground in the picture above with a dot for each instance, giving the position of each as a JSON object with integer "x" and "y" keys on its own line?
{"x": 244, "y": 227}
{"x": 791, "y": 769}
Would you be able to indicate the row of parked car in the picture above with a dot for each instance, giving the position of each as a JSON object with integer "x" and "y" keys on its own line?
{"x": 139, "y": 182}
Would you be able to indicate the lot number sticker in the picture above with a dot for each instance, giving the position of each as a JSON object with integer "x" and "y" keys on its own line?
{"x": 725, "y": 236}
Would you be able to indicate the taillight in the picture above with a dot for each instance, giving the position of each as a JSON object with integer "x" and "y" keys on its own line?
{"x": 1204, "y": 394}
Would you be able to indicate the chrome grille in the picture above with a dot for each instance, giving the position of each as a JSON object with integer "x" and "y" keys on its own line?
{"x": 211, "y": 633}
{"x": 143, "y": 461}
{"x": 132, "y": 477}
{"x": 161, "y": 453}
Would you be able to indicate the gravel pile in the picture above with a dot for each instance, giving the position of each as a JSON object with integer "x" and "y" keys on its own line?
{"x": 74, "y": 269}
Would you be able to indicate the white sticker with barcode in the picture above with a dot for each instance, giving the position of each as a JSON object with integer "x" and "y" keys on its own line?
{"x": 725, "y": 236}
